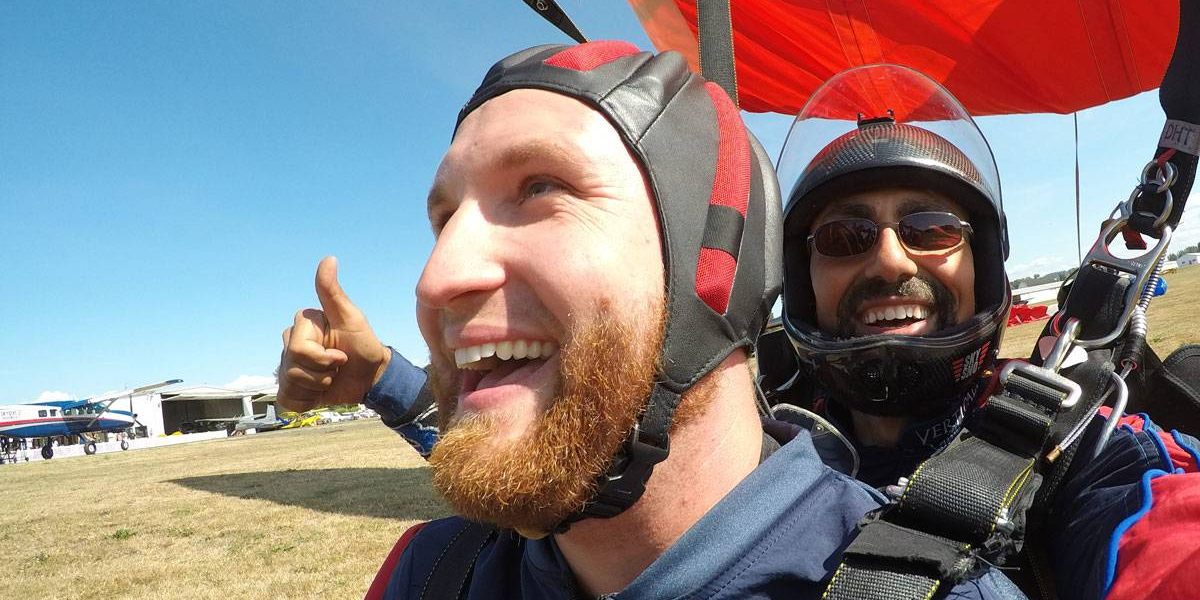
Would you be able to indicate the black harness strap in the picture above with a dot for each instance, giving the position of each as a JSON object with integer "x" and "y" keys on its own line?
{"x": 714, "y": 27}
{"x": 1093, "y": 377}
{"x": 1179, "y": 96}
{"x": 452, "y": 570}
{"x": 963, "y": 508}
{"x": 552, "y": 12}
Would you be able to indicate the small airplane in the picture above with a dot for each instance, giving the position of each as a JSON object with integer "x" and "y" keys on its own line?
{"x": 239, "y": 425}
{"x": 69, "y": 417}
{"x": 266, "y": 422}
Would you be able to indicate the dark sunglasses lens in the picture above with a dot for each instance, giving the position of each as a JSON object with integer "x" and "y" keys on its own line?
{"x": 846, "y": 237}
{"x": 931, "y": 231}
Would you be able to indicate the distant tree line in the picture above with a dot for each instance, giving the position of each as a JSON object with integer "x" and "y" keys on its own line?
{"x": 1037, "y": 279}
{"x": 1175, "y": 255}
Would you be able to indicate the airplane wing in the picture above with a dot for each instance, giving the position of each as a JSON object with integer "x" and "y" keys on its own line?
{"x": 107, "y": 399}
{"x": 137, "y": 391}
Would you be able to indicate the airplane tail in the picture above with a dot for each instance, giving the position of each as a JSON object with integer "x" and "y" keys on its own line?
{"x": 271, "y": 412}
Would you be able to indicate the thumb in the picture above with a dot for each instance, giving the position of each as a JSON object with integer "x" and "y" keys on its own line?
{"x": 338, "y": 308}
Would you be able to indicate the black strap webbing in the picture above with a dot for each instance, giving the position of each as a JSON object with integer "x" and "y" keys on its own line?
{"x": 1093, "y": 377}
{"x": 965, "y": 504}
{"x": 714, "y": 28}
{"x": 1179, "y": 96}
{"x": 647, "y": 445}
{"x": 552, "y": 12}
{"x": 448, "y": 578}
{"x": 861, "y": 578}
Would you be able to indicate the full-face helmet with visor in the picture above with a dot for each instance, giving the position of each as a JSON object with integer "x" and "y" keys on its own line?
{"x": 887, "y": 126}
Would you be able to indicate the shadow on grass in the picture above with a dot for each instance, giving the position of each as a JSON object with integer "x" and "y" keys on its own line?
{"x": 401, "y": 494}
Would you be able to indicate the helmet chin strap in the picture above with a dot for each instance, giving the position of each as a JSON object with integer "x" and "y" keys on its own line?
{"x": 647, "y": 445}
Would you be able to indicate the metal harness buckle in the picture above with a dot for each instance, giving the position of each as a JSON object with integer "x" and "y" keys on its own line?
{"x": 1045, "y": 377}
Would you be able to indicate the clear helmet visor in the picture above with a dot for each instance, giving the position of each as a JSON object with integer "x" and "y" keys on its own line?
{"x": 878, "y": 93}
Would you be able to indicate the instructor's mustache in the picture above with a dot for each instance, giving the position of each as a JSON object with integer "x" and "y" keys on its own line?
{"x": 919, "y": 289}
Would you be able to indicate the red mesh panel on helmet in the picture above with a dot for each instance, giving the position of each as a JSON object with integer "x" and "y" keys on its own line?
{"x": 714, "y": 278}
{"x": 731, "y": 187}
{"x": 586, "y": 57}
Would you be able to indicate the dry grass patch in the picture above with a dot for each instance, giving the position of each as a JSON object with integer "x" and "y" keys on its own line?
{"x": 1172, "y": 319}
{"x": 302, "y": 513}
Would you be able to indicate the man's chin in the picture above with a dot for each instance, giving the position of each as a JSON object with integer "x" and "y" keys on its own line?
{"x": 502, "y": 429}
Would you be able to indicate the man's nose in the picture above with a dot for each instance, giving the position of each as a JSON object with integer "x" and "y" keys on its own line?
{"x": 464, "y": 260}
{"x": 889, "y": 259}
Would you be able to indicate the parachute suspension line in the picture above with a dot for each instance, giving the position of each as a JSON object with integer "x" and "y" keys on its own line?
{"x": 552, "y": 12}
{"x": 714, "y": 36}
{"x": 1078, "y": 235}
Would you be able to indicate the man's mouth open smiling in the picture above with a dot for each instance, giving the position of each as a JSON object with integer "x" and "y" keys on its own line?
{"x": 898, "y": 316}
{"x": 916, "y": 306}
{"x": 494, "y": 371}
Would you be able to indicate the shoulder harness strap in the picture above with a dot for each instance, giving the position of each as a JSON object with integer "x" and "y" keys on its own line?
{"x": 452, "y": 570}
{"x": 966, "y": 507}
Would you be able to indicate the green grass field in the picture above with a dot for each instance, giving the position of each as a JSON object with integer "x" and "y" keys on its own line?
{"x": 305, "y": 513}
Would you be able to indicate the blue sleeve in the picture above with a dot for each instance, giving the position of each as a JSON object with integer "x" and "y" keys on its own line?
{"x": 407, "y": 407}
{"x": 1098, "y": 496}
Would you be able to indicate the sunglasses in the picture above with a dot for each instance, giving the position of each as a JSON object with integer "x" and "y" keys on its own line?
{"x": 919, "y": 232}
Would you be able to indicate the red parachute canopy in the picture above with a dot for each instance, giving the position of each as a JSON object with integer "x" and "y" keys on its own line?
{"x": 995, "y": 56}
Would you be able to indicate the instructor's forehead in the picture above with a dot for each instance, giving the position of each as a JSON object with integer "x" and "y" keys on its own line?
{"x": 523, "y": 127}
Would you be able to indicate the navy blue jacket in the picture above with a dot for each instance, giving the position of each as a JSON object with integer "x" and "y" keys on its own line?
{"x": 763, "y": 540}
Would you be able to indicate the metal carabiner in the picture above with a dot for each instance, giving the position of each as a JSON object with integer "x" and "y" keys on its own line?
{"x": 1164, "y": 179}
{"x": 1140, "y": 269}
{"x": 1167, "y": 174}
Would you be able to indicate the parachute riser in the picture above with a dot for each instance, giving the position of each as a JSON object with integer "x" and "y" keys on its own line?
{"x": 1145, "y": 270}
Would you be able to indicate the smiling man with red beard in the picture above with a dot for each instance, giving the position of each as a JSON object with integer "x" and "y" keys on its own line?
{"x": 607, "y": 251}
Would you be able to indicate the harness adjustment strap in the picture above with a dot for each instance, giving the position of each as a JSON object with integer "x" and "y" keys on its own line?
{"x": 859, "y": 577}
{"x": 965, "y": 504}
{"x": 1096, "y": 299}
{"x": 1024, "y": 427}
{"x": 714, "y": 37}
{"x": 938, "y": 557}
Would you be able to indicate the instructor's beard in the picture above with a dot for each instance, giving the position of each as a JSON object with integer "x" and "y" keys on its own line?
{"x": 533, "y": 483}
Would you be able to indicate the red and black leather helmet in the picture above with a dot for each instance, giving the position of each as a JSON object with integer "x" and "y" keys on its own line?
{"x": 718, "y": 205}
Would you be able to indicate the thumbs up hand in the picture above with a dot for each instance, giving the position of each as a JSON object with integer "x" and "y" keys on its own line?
{"x": 330, "y": 356}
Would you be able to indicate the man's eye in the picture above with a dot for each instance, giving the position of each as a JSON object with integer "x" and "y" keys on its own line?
{"x": 538, "y": 187}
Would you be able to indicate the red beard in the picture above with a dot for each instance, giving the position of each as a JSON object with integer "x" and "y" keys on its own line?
{"x": 532, "y": 484}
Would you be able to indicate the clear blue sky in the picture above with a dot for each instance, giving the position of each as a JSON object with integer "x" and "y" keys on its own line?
{"x": 171, "y": 172}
